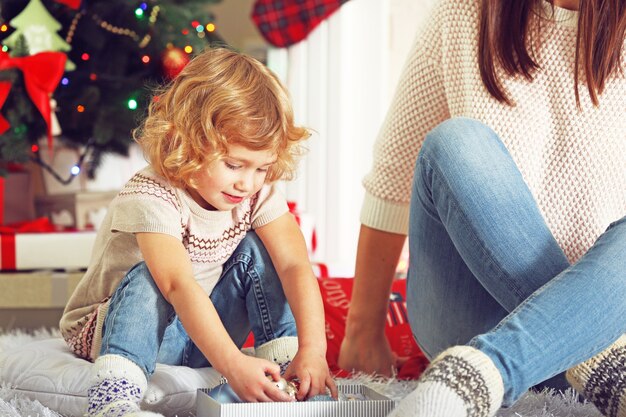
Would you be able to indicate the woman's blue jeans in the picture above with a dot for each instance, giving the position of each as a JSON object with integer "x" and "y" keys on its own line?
{"x": 485, "y": 269}
{"x": 143, "y": 327}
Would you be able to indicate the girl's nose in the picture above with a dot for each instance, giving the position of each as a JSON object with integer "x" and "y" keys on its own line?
{"x": 245, "y": 182}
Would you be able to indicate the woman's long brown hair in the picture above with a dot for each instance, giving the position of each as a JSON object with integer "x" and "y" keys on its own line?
{"x": 504, "y": 41}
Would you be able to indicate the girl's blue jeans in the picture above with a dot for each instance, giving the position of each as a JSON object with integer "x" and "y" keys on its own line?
{"x": 143, "y": 327}
{"x": 486, "y": 271}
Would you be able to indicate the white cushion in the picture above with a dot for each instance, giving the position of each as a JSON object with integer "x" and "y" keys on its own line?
{"x": 47, "y": 371}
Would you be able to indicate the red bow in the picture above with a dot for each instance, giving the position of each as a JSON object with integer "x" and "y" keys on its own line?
{"x": 42, "y": 73}
{"x": 74, "y": 4}
{"x": 39, "y": 225}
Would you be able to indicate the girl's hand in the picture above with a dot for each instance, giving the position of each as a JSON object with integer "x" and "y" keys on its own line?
{"x": 248, "y": 377}
{"x": 311, "y": 369}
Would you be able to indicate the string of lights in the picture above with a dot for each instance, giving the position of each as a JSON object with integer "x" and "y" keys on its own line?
{"x": 75, "y": 170}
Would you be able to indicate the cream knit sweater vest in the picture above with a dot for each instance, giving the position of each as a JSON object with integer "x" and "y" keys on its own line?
{"x": 573, "y": 160}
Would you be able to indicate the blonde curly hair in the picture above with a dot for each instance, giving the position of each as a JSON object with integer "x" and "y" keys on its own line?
{"x": 221, "y": 97}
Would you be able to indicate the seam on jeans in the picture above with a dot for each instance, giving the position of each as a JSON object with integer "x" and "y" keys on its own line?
{"x": 473, "y": 236}
{"x": 187, "y": 351}
{"x": 566, "y": 362}
{"x": 116, "y": 309}
{"x": 262, "y": 305}
{"x": 247, "y": 261}
{"x": 431, "y": 213}
{"x": 238, "y": 258}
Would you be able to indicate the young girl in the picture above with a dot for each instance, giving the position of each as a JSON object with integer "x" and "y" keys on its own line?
{"x": 199, "y": 248}
{"x": 507, "y": 140}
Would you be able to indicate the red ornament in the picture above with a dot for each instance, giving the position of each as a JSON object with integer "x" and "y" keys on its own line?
{"x": 174, "y": 60}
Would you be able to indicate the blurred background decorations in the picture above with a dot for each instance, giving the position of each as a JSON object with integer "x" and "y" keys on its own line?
{"x": 79, "y": 73}
{"x": 286, "y": 22}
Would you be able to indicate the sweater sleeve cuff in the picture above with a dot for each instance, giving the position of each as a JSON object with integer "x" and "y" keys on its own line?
{"x": 385, "y": 215}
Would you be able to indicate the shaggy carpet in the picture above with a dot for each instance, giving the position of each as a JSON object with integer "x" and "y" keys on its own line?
{"x": 544, "y": 404}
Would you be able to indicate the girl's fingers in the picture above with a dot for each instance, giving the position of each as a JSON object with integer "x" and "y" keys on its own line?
{"x": 330, "y": 383}
{"x": 305, "y": 386}
{"x": 273, "y": 370}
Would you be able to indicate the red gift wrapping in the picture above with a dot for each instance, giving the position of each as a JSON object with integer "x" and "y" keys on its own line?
{"x": 38, "y": 244}
{"x": 336, "y": 295}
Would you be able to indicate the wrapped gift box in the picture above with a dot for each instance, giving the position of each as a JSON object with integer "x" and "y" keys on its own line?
{"x": 62, "y": 250}
{"x": 210, "y": 403}
{"x": 37, "y": 289}
{"x": 16, "y": 198}
{"x": 307, "y": 226}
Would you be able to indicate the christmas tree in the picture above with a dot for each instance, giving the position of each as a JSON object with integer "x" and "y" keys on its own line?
{"x": 121, "y": 50}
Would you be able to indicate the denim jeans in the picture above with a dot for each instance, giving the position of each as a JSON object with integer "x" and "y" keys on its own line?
{"x": 485, "y": 269}
{"x": 143, "y": 327}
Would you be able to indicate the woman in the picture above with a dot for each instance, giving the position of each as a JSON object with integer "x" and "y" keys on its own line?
{"x": 517, "y": 201}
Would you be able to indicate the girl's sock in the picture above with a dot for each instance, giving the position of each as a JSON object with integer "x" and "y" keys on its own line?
{"x": 460, "y": 382}
{"x": 117, "y": 388}
{"x": 281, "y": 351}
{"x": 602, "y": 379}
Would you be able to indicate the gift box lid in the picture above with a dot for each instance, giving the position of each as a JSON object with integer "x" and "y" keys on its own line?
{"x": 217, "y": 403}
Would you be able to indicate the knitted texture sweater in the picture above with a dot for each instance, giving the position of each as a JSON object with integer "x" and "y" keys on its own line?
{"x": 573, "y": 160}
{"x": 147, "y": 203}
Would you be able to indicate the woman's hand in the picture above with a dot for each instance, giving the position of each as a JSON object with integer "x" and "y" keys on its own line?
{"x": 248, "y": 377}
{"x": 368, "y": 355}
{"x": 311, "y": 369}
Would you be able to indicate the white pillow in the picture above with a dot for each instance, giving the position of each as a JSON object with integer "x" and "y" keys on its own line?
{"x": 47, "y": 371}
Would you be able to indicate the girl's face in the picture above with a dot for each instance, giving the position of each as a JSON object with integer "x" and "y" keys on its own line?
{"x": 227, "y": 181}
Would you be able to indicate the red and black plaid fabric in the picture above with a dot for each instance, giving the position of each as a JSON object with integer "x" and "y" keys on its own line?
{"x": 285, "y": 22}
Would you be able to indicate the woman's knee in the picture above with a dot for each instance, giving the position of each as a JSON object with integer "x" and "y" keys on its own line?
{"x": 460, "y": 138}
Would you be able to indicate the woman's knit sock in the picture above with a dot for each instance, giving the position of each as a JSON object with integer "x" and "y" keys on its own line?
{"x": 460, "y": 382}
{"x": 117, "y": 388}
{"x": 602, "y": 379}
{"x": 280, "y": 351}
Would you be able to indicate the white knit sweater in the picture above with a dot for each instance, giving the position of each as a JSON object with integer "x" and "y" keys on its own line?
{"x": 574, "y": 161}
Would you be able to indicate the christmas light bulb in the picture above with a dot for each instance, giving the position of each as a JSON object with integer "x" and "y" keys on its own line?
{"x": 145, "y": 59}
{"x": 34, "y": 148}
{"x": 210, "y": 27}
{"x": 4, "y": 28}
{"x": 75, "y": 170}
{"x": 188, "y": 49}
{"x": 132, "y": 104}
{"x": 65, "y": 81}
{"x": 139, "y": 12}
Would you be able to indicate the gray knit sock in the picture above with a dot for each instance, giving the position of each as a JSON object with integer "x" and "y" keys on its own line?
{"x": 281, "y": 351}
{"x": 117, "y": 388}
{"x": 460, "y": 382}
{"x": 602, "y": 379}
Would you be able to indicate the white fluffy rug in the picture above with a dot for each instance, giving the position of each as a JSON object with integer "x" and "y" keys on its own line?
{"x": 545, "y": 404}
